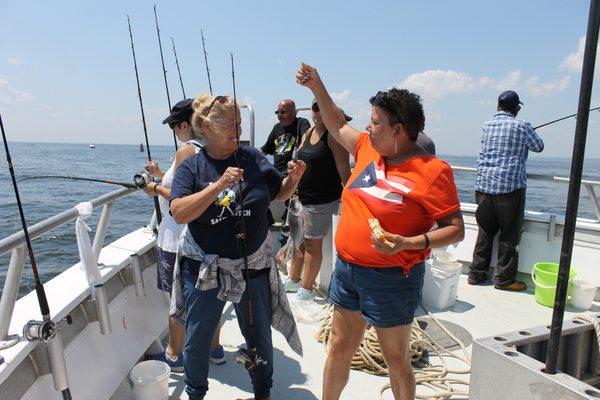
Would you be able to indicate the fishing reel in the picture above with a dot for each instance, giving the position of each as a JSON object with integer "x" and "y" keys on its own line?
{"x": 141, "y": 179}
{"x": 44, "y": 331}
{"x": 248, "y": 358}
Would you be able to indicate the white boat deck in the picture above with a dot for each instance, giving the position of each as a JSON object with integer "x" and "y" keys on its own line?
{"x": 482, "y": 310}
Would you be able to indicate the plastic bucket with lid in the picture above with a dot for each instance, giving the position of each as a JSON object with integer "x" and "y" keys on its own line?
{"x": 583, "y": 294}
{"x": 442, "y": 276}
{"x": 150, "y": 380}
{"x": 544, "y": 276}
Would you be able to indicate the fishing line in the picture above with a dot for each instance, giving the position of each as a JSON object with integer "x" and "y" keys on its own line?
{"x": 561, "y": 119}
{"x": 79, "y": 178}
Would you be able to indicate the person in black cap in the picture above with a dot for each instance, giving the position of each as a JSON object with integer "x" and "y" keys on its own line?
{"x": 500, "y": 192}
{"x": 169, "y": 231}
{"x": 319, "y": 190}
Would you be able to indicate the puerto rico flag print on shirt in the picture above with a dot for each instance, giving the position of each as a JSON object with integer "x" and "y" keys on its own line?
{"x": 407, "y": 198}
{"x": 373, "y": 185}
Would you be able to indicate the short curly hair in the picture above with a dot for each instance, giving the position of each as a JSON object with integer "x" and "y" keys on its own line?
{"x": 404, "y": 107}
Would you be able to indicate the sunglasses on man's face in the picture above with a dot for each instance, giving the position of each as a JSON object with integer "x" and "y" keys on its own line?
{"x": 280, "y": 112}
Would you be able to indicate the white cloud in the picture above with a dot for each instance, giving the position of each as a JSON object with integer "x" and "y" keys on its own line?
{"x": 15, "y": 61}
{"x": 10, "y": 95}
{"x": 248, "y": 100}
{"x": 574, "y": 61}
{"x": 434, "y": 84}
{"x": 342, "y": 96}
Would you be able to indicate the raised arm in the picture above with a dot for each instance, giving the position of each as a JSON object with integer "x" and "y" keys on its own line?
{"x": 335, "y": 122}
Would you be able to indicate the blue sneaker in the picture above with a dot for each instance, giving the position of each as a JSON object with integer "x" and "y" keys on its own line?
{"x": 176, "y": 365}
{"x": 217, "y": 356}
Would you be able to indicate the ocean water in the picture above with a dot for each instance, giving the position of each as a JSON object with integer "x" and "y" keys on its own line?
{"x": 57, "y": 250}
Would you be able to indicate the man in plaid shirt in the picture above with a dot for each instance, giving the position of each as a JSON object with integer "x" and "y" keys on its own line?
{"x": 500, "y": 192}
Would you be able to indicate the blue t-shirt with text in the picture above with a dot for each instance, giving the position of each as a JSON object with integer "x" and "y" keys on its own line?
{"x": 217, "y": 229}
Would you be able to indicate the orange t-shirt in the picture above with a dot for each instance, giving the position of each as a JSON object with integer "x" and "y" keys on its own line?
{"x": 407, "y": 199}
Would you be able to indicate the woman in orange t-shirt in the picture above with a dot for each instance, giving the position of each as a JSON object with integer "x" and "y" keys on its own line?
{"x": 378, "y": 276}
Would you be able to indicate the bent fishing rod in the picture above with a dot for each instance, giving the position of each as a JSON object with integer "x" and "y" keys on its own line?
{"x": 563, "y": 118}
{"x": 46, "y": 331}
{"x": 162, "y": 60}
{"x": 137, "y": 79}
{"x": 79, "y": 178}
{"x": 178, "y": 70}
{"x": 247, "y": 357}
{"x": 206, "y": 62}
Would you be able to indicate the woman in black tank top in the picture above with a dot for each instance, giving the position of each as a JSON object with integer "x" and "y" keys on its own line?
{"x": 320, "y": 189}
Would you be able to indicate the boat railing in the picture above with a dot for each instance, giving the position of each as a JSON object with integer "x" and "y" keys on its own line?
{"x": 16, "y": 243}
{"x": 588, "y": 184}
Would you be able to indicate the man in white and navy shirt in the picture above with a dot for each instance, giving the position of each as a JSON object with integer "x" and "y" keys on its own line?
{"x": 500, "y": 192}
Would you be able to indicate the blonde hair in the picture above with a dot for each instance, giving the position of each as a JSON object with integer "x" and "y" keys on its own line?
{"x": 209, "y": 109}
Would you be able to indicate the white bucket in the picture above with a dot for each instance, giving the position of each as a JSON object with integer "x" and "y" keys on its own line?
{"x": 442, "y": 276}
{"x": 583, "y": 294}
{"x": 150, "y": 380}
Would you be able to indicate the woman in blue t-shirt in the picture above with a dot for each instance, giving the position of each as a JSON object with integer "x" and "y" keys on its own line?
{"x": 223, "y": 194}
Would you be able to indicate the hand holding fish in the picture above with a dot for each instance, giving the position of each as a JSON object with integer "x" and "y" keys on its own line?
{"x": 307, "y": 76}
{"x": 230, "y": 177}
{"x": 154, "y": 169}
{"x": 296, "y": 169}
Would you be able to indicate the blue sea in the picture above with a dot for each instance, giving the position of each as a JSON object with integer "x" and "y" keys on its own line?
{"x": 57, "y": 250}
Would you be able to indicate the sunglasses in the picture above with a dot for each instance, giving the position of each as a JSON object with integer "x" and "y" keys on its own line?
{"x": 221, "y": 99}
{"x": 280, "y": 112}
{"x": 381, "y": 100}
{"x": 315, "y": 107}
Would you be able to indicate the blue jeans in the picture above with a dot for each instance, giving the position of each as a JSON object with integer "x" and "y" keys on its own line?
{"x": 203, "y": 311}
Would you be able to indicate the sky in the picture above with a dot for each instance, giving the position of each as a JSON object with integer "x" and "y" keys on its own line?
{"x": 66, "y": 68}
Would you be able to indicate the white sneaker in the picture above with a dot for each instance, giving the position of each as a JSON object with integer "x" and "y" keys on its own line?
{"x": 291, "y": 286}
{"x": 306, "y": 295}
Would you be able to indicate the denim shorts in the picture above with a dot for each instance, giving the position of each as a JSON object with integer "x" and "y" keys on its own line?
{"x": 165, "y": 263}
{"x": 385, "y": 297}
{"x": 317, "y": 219}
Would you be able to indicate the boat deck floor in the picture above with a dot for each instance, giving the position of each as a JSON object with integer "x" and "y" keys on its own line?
{"x": 482, "y": 310}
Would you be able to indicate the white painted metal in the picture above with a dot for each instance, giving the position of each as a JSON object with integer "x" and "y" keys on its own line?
{"x": 9, "y": 295}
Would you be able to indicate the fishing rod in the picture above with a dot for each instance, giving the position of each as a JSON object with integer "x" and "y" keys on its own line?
{"x": 46, "y": 331}
{"x": 137, "y": 79}
{"x": 206, "y": 62}
{"x": 79, "y": 178}
{"x": 246, "y": 357}
{"x": 162, "y": 60}
{"x": 563, "y": 118}
{"x": 178, "y": 70}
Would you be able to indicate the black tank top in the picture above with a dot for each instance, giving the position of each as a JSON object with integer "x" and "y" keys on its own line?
{"x": 321, "y": 181}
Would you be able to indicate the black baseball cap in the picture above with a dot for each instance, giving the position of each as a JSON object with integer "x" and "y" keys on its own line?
{"x": 347, "y": 117}
{"x": 182, "y": 111}
{"x": 509, "y": 99}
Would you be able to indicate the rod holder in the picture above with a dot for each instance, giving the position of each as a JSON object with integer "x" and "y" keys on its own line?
{"x": 136, "y": 273}
{"x": 58, "y": 367}
{"x": 102, "y": 309}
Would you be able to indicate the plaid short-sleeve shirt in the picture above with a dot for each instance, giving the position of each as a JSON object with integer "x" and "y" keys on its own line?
{"x": 505, "y": 144}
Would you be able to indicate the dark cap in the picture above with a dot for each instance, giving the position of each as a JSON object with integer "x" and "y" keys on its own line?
{"x": 347, "y": 117}
{"x": 509, "y": 99}
{"x": 181, "y": 111}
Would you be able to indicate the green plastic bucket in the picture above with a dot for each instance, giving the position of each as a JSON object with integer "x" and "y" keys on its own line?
{"x": 544, "y": 276}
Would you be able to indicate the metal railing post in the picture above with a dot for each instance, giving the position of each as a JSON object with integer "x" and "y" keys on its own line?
{"x": 594, "y": 200}
{"x": 9, "y": 295}
{"x": 102, "y": 228}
